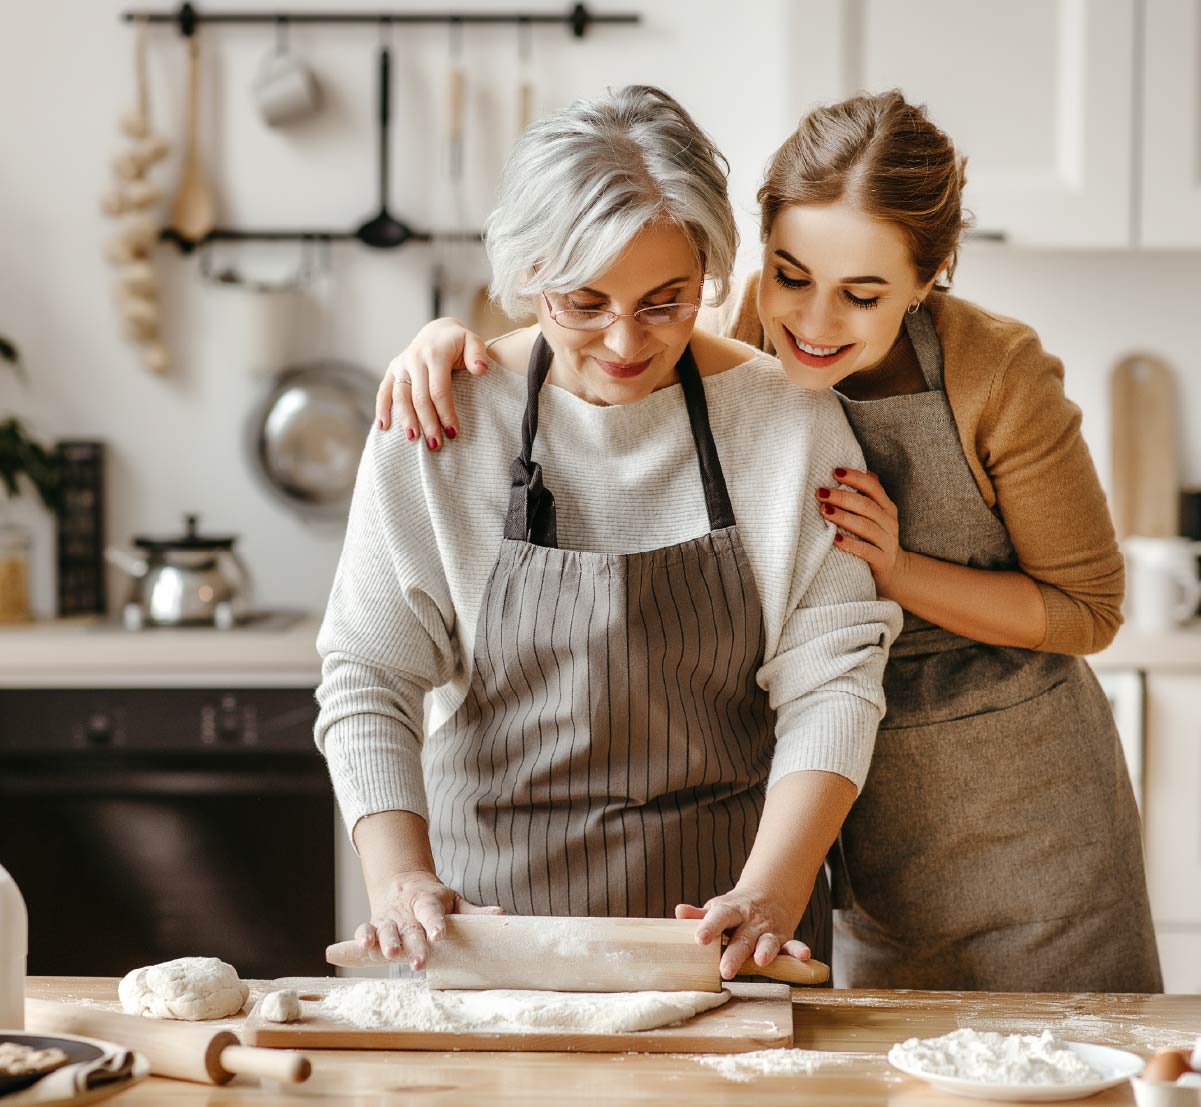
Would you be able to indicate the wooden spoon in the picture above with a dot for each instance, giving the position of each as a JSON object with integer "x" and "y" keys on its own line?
{"x": 192, "y": 212}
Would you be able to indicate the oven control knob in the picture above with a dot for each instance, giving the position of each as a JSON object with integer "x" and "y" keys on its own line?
{"x": 98, "y": 729}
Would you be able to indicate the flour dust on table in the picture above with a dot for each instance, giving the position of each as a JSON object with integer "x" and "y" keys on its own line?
{"x": 191, "y": 988}
{"x": 413, "y": 1005}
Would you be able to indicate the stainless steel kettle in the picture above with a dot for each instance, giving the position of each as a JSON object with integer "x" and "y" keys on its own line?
{"x": 190, "y": 580}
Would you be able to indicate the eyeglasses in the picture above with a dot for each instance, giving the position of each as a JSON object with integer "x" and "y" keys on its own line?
{"x": 595, "y": 319}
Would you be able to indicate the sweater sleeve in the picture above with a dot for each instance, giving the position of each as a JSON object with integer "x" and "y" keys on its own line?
{"x": 824, "y": 679}
{"x": 386, "y": 638}
{"x": 1050, "y": 498}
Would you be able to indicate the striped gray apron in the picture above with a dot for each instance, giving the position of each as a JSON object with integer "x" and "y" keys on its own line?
{"x": 996, "y": 843}
{"x": 611, "y": 755}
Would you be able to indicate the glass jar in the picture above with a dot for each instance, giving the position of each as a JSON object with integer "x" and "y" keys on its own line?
{"x": 15, "y": 542}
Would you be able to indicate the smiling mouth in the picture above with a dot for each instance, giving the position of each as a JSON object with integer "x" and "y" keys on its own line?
{"x": 809, "y": 354}
{"x": 624, "y": 370}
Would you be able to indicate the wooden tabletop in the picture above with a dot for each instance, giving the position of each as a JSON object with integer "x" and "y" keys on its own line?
{"x": 845, "y": 1034}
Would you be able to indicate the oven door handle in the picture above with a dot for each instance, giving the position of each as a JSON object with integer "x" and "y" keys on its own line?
{"x": 46, "y": 780}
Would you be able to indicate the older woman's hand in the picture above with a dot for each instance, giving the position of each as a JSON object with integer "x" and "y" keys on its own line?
{"x": 409, "y": 913}
{"x": 417, "y": 383}
{"x": 760, "y": 926}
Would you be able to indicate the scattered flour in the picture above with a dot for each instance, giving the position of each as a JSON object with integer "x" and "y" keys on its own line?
{"x": 744, "y": 1067}
{"x": 413, "y": 1005}
{"x": 994, "y": 1058}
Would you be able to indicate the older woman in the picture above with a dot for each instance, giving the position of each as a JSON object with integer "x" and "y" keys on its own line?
{"x": 654, "y": 680}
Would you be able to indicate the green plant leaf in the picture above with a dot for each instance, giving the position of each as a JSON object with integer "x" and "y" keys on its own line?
{"x": 9, "y": 353}
{"x": 23, "y": 455}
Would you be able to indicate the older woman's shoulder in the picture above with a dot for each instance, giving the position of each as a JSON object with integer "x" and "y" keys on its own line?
{"x": 715, "y": 353}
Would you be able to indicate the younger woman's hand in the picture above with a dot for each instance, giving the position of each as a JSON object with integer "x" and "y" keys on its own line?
{"x": 868, "y": 524}
{"x": 410, "y": 913}
{"x": 760, "y": 926}
{"x": 417, "y": 383}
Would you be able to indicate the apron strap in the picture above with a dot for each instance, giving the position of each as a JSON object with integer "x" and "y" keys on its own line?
{"x": 531, "y": 516}
{"x": 927, "y": 345}
{"x": 717, "y": 496}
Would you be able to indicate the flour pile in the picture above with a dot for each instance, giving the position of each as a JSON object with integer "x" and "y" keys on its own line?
{"x": 994, "y": 1058}
{"x": 744, "y": 1067}
{"x": 412, "y": 1005}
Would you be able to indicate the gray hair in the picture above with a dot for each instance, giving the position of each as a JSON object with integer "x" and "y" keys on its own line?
{"x": 581, "y": 184}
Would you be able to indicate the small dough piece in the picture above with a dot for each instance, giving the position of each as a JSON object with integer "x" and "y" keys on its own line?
{"x": 281, "y": 1006}
{"x": 191, "y": 988}
{"x": 19, "y": 1059}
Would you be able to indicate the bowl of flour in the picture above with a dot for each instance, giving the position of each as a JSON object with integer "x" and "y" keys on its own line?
{"x": 1015, "y": 1067}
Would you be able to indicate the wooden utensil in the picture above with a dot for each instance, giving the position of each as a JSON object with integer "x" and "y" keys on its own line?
{"x": 1146, "y": 462}
{"x": 192, "y": 212}
{"x": 578, "y": 955}
{"x": 184, "y": 1051}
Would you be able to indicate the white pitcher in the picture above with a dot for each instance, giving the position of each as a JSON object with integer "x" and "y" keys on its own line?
{"x": 1162, "y": 586}
{"x": 14, "y": 949}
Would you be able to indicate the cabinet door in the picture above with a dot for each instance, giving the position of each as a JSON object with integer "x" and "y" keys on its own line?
{"x": 1172, "y": 798}
{"x": 1171, "y": 154}
{"x": 1037, "y": 93}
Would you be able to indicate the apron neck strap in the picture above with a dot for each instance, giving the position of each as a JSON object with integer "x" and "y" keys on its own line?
{"x": 531, "y": 516}
{"x": 926, "y": 344}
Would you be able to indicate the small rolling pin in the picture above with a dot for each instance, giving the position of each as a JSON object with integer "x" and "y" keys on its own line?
{"x": 182, "y": 1050}
{"x": 577, "y": 955}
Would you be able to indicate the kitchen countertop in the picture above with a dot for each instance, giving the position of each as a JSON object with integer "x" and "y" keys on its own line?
{"x": 1178, "y": 650}
{"x": 854, "y": 1029}
{"x": 90, "y": 652}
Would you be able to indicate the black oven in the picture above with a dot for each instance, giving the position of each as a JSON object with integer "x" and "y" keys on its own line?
{"x": 144, "y": 824}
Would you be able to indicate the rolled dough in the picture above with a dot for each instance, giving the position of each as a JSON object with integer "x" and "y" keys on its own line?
{"x": 412, "y": 1005}
{"x": 192, "y": 988}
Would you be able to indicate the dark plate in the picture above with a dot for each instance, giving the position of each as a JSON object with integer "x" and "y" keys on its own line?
{"x": 75, "y": 1051}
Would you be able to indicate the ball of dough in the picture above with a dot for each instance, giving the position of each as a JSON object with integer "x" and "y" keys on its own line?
{"x": 192, "y": 988}
{"x": 281, "y": 1006}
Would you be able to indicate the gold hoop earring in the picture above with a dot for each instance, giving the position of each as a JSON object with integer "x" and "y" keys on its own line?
{"x": 912, "y": 308}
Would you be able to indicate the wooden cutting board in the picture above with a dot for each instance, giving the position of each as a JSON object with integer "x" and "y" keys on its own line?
{"x": 1146, "y": 464}
{"x": 758, "y": 1017}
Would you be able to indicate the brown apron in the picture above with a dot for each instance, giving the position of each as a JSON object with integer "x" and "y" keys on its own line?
{"x": 612, "y": 752}
{"x": 996, "y": 843}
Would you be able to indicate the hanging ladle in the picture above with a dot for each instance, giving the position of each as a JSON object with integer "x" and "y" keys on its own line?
{"x": 384, "y": 231}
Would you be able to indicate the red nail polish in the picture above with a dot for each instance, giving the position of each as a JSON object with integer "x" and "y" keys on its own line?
{"x": 379, "y": 424}
{"x": 838, "y": 539}
{"x": 433, "y": 442}
{"x": 828, "y": 509}
{"x": 451, "y": 432}
{"x": 411, "y": 433}
{"x": 823, "y": 493}
{"x": 840, "y": 473}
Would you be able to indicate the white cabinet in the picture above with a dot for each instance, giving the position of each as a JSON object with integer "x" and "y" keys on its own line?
{"x": 1172, "y": 822}
{"x": 1170, "y": 205}
{"x": 1081, "y": 119}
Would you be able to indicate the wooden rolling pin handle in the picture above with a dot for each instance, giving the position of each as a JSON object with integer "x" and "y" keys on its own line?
{"x": 351, "y": 955}
{"x": 286, "y": 1066}
{"x": 789, "y": 970}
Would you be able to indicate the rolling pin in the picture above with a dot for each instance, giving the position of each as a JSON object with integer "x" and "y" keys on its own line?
{"x": 577, "y": 955}
{"x": 182, "y": 1050}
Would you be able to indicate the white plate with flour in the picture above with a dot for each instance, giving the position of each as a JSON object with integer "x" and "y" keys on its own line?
{"x": 1113, "y": 1067}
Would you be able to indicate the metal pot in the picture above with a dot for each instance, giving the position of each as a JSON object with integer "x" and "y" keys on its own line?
{"x": 193, "y": 579}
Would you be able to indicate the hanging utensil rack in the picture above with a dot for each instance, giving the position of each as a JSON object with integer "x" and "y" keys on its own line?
{"x": 579, "y": 19}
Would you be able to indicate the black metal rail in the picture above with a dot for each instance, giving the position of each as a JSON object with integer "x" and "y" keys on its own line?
{"x": 578, "y": 18}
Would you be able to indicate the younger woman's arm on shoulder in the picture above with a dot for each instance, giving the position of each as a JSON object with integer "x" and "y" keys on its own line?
{"x": 1051, "y": 501}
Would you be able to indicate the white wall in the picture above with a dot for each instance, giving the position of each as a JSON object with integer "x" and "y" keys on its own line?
{"x": 177, "y": 443}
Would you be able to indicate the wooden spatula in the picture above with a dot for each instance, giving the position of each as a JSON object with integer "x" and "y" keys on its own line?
{"x": 577, "y": 955}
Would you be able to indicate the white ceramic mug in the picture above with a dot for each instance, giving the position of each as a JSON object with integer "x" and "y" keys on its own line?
{"x": 285, "y": 89}
{"x": 1162, "y": 587}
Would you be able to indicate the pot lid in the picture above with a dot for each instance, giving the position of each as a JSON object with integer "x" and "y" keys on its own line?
{"x": 190, "y": 540}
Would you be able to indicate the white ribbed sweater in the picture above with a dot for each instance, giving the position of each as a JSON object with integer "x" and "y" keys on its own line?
{"x": 425, "y": 527}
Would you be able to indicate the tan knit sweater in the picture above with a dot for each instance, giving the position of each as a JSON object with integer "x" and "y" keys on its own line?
{"x": 1021, "y": 437}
